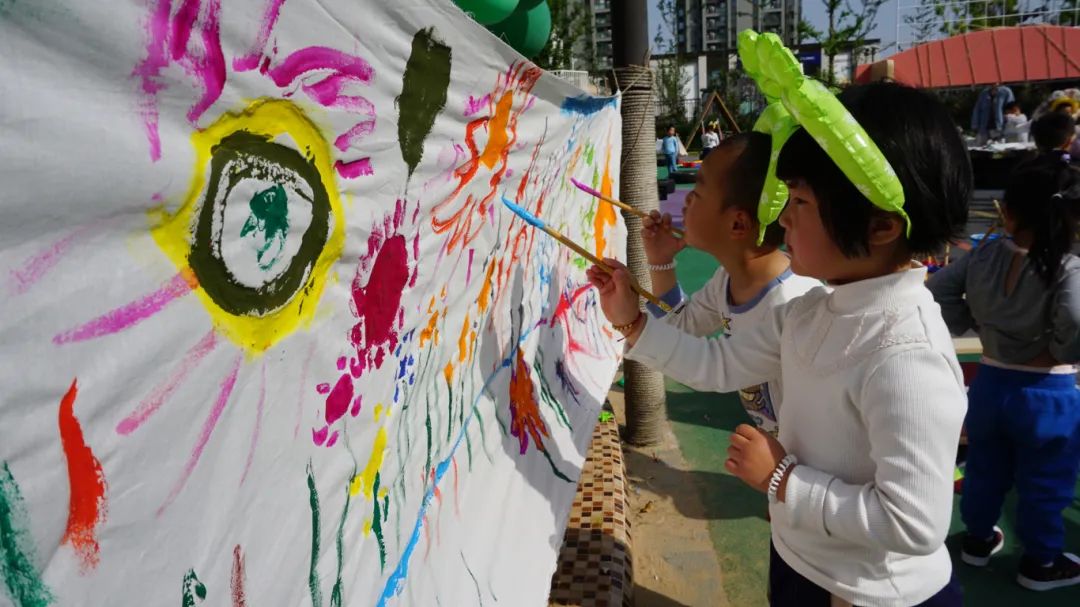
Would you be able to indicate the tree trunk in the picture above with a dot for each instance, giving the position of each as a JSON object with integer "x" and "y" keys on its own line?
{"x": 645, "y": 395}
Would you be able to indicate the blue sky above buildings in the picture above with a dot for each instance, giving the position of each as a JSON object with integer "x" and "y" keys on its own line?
{"x": 814, "y": 11}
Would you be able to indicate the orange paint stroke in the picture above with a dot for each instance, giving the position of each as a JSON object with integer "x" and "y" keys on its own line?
{"x": 448, "y": 373}
{"x": 525, "y": 418}
{"x": 498, "y": 139}
{"x": 430, "y": 332}
{"x": 463, "y": 344}
{"x": 605, "y": 213}
{"x": 86, "y": 504}
{"x": 485, "y": 290}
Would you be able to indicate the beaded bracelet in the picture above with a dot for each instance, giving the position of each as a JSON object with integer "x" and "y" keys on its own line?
{"x": 778, "y": 475}
{"x": 628, "y": 326}
{"x": 662, "y": 267}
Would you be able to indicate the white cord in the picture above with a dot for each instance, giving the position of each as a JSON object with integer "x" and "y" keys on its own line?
{"x": 778, "y": 475}
{"x": 662, "y": 267}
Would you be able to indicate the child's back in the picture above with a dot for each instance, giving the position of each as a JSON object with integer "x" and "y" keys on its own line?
{"x": 1023, "y": 297}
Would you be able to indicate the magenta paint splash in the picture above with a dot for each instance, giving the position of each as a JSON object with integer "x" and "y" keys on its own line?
{"x": 328, "y": 93}
{"x": 314, "y": 58}
{"x": 474, "y": 105}
{"x": 258, "y": 424}
{"x": 355, "y": 168}
{"x": 204, "y": 436}
{"x": 354, "y": 135}
{"x": 163, "y": 391}
{"x": 382, "y": 277}
{"x": 129, "y": 315}
{"x": 31, "y": 271}
{"x": 169, "y": 40}
{"x": 251, "y": 60}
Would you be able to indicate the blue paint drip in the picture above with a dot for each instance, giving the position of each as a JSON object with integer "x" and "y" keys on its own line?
{"x": 531, "y": 219}
{"x": 586, "y": 105}
{"x": 394, "y": 583}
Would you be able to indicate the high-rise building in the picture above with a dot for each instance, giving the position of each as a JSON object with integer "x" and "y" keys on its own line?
{"x": 600, "y": 12}
{"x": 714, "y": 25}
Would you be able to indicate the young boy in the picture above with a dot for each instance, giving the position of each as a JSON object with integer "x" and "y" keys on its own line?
{"x": 721, "y": 219}
{"x": 1016, "y": 124}
{"x": 671, "y": 149}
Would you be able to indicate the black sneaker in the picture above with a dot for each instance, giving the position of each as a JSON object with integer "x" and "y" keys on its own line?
{"x": 1065, "y": 571}
{"x": 977, "y": 552}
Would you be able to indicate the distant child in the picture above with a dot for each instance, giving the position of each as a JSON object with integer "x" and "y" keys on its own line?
{"x": 1023, "y": 426}
{"x": 670, "y": 148}
{"x": 721, "y": 219}
{"x": 1054, "y": 134}
{"x": 1016, "y": 124}
{"x": 709, "y": 140}
{"x": 860, "y": 481}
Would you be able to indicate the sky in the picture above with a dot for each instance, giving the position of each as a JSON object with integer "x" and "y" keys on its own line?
{"x": 814, "y": 11}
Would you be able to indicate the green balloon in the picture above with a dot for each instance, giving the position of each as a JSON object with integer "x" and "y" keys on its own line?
{"x": 527, "y": 29}
{"x": 487, "y": 12}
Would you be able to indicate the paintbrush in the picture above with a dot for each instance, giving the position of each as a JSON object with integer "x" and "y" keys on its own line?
{"x": 536, "y": 222}
{"x": 677, "y": 233}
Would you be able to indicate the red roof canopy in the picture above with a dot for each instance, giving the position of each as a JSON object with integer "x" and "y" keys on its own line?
{"x": 1005, "y": 54}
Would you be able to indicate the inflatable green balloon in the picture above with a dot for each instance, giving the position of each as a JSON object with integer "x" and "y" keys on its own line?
{"x": 487, "y": 12}
{"x": 527, "y": 29}
{"x": 806, "y": 102}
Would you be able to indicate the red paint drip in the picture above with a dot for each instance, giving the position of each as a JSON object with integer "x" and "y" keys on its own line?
{"x": 377, "y": 302}
{"x": 86, "y": 505}
{"x": 238, "y": 598}
{"x": 337, "y": 403}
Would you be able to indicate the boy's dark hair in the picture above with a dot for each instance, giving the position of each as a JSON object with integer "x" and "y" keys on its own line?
{"x": 919, "y": 139}
{"x": 1052, "y": 131}
{"x": 748, "y": 171}
{"x": 1011, "y": 105}
{"x": 1043, "y": 196}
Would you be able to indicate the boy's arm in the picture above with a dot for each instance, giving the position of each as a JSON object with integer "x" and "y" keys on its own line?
{"x": 948, "y": 286}
{"x": 1065, "y": 340}
{"x": 722, "y": 365}
{"x": 913, "y": 407}
{"x": 700, "y": 314}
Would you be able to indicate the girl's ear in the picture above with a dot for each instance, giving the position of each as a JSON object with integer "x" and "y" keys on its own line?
{"x": 885, "y": 229}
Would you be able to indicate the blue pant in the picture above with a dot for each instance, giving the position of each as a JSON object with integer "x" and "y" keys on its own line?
{"x": 789, "y": 589}
{"x": 671, "y": 166}
{"x": 1024, "y": 430}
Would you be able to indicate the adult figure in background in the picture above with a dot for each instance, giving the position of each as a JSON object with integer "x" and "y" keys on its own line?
{"x": 670, "y": 148}
{"x": 988, "y": 116}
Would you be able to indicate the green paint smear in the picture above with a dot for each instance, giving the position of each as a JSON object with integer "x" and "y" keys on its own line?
{"x": 427, "y": 427}
{"x": 339, "y": 588}
{"x": 589, "y": 149}
{"x": 376, "y": 524}
{"x": 17, "y": 557}
{"x": 548, "y": 397}
{"x": 313, "y": 576}
{"x": 194, "y": 590}
{"x": 450, "y": 411}
{"x": 269, "y": 215}
{"x": 555, "y": 470}
{"x": 423, "y": 94}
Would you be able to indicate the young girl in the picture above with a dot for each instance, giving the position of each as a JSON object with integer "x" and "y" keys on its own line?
{"x": 873, "y": 395}
{"x": 1023, "y": 425}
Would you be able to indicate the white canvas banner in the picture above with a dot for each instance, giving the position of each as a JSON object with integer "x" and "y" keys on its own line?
{"x": 269, "y": 335}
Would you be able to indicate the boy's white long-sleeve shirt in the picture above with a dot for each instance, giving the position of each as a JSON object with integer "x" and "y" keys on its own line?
{"x": 873, "y": 404}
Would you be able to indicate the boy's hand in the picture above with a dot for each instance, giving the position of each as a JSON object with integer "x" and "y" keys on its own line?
{"x": 753, "y": 456}
{"x": 660, "y": 245}
{"x": 618, "y": 301}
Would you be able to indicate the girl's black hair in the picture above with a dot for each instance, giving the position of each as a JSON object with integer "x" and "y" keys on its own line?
{"x": 921, "y": 142}
{"x": 1052, "y": 131}
{"x": 1043, "y": 196}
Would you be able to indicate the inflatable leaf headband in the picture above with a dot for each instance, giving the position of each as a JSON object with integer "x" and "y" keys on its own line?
{"x": 795, "y": 100}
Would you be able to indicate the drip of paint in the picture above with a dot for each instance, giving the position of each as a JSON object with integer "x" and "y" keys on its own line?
{"x": 204, "y": 436}
{"x": 498, "y": 140}
{"x": 86, "y": 504}
{"x": 354, "y": 135}
{"x": 163, "y": 391}
{"x": 378, "y": 516}
{"x": 237, "y": 585}
{"x": 423, "y": 94}
{"x": 366, "y": 479}
{"x": 251, "y": 60}
{"x": 133, "y": 313}
{"x": 17, "y": 554}
{"x": 313, "y": 573}
{"x": 338, "y": 590}
{"x": 337, "y": 403}
{"x": 354, "y": 169}
{"x": 315, "y": 58}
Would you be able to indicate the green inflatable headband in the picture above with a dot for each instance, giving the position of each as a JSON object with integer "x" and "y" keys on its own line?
{"x": 795, "y": 100}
